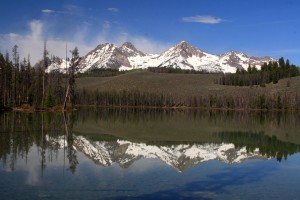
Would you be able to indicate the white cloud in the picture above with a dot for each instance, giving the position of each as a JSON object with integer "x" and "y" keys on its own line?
{"x": 32, "y": 43}
{"x": 113, "y": 9}
{"x": 13, "y": 35}
{"x": 148, "y": 45}
{"x": 36, "y": 28}
{"x": 67, "y": 10}
{"x": 203, "y": 19}
{"x": 144, "y": 44}
{"x": 47, "y": 11}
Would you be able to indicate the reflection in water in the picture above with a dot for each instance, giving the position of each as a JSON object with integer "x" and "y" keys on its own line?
{"x": 117, "y": 154}
{"x": 22, "y": 132}
{"x": 268, "y": 146}
{"x": 51, "y": 132}
{"x": 180, "y": 157}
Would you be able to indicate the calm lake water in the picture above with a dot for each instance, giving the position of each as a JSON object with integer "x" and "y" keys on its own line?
{"x": 149, "y": 154}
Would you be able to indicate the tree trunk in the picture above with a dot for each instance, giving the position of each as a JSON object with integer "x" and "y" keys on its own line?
{"x": 67, "y": 96}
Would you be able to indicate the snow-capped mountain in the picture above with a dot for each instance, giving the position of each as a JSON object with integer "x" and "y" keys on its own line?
{"x": 241, "y": 61}
{"x": 130, "y": 51}
{"x": 180, "y": 157}
{"x": 58, "y": 64}
{"x": 182, "y": 55}
{"x": 185, "y": 56}
{"x": 104, "y": 56}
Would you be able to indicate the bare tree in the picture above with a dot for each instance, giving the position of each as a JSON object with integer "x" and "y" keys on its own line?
{"x": 45, "y": 65}
{"x": 70, "y": 91}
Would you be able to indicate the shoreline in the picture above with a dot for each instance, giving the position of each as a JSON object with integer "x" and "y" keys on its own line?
{"x": 77, "y": 107}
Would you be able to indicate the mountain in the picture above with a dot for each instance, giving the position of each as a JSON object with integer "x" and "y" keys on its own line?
{"x": 241, "y": 60}
{"x": 130, "y": 51}
{"x": 58, "y": 64}
{"x": 180, "y": 157}
{"x": 182, "y": 55}
{"x": 104, "y": 56}
{"x": 185, "y": 56}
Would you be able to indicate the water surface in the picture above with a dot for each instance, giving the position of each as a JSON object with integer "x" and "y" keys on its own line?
{"x": 149, "y": 154}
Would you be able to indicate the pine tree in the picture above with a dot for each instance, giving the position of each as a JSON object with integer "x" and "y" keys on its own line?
{"x": 49, "y": 99}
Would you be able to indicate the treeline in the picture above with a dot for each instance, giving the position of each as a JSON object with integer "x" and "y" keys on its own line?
{"x": 270, "y": 72}
{"x": 278, "y": 101}
{"x": 175, "y": 70}
{"x": 24, "y": 85}
{"x": 268, "y": 146}
{"x": 100, "y": 72}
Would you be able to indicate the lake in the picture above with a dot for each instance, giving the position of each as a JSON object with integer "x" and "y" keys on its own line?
{"x": 149, "y": 154}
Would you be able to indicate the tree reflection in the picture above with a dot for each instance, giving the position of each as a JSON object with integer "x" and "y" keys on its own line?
{"x": 20, "y": 132}
{"x": 71, "y": 151}
{"x": 268, "y": 146}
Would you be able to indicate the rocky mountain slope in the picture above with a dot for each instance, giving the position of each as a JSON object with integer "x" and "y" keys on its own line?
{"x": 182, "y": 55}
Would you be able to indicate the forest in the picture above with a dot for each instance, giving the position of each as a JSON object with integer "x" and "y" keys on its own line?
{"x": 95, "y": 72}
{"x": 145, "y": 99}
{"x": 27, "y": 86}
{"x": 171, "y": 69}
{"x": 269, "y": 72}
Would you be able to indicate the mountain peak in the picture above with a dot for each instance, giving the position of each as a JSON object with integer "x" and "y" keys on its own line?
{"x": 129, "y": 50}
{"x": 183, "y": 49}
{"x": 106, "y": 46}
{"x": 129, "y": 45}
{"x": 233, "y": 52}
{"x": 183, "y": 45}
{"x": 183, "y": 55}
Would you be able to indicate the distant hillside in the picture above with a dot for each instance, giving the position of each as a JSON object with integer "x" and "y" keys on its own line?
{"x": 146, "y": 89}
{"x": 181, "y": 84}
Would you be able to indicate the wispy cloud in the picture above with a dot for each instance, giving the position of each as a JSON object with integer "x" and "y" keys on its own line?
{"x": 67, "y": 10}
{"x": 113, "y": 9}
{"x": 32, "y": 42}
{"x": 47, "y": 11}
{"x": 205, "y": 19}
{"x": 142, "y": 43}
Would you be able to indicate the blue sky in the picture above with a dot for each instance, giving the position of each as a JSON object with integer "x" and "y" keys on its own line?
{"x": 256, "y": 27}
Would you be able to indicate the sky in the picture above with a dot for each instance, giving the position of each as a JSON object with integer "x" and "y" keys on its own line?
{"x": 255, "y": 27}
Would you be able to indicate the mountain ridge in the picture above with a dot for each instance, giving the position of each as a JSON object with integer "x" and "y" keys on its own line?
{"x": 183, "y": 56}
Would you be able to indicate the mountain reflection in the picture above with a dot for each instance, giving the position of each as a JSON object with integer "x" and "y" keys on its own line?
{"x": 52, "y": 132}
{"x": 179, "y": 156}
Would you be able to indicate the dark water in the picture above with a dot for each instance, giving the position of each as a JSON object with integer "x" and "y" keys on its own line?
{"x": 156, "y": 154}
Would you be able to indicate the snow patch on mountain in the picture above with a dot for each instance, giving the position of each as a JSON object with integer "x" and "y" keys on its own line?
{"x": 57, "y": 64}
{"x": 103, "y": 56}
